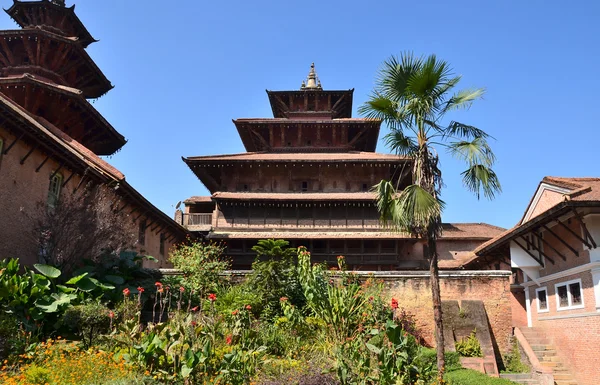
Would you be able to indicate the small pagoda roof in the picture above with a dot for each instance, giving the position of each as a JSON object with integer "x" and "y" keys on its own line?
{"x": 301, "y": 196}
{"x": 341, "y": 101}
{"x": 255, "y": 132}
{"x": 56, "y": 18}
{"x": 114, "y": 140}
{"x": 451, "y": 232}
{"x": 93, "y": 84}
{"x": 298, "y": 157}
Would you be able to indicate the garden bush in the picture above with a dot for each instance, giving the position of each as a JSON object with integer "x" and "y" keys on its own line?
{"x": 88, "y": 321}
{"x": 470, "y": 346}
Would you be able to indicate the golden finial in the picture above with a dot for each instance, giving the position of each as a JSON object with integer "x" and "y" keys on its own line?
{"x": 312, "y": 81}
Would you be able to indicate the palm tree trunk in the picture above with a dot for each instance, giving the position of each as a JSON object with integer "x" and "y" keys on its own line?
{"x": 437, "y": 303}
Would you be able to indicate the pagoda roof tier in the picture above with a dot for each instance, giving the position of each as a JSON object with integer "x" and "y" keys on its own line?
{"x": 52, "y": 56}
{"x": 298, "y": 157}
{"x": 451, "y": 231}
{"x": 212, "y": 170}
{"x": 342, "y": 134}
{"x": 50, "y": 16}
{"x": 288, "y": 104}
{"x": 66, "y": 109}
{"x": 244, "y": 197}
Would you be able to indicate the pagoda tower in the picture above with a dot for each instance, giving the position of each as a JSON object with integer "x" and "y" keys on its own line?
{"x": 45, "y": 68}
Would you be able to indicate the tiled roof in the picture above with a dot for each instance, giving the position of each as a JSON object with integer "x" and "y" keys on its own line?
{"x": 584, "y": 191}
{"x": 452, "y": 231}
{"x": 198, "y": 199}
{"x": 356, "y": 156}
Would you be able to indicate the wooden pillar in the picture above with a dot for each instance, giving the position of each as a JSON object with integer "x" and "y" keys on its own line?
{"x": 271, "y": 136}
{"x": 300, "y": 135}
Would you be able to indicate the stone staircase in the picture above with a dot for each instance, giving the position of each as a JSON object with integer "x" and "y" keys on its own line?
{"x": 520, "y": 378}
{"x": 546, "y": 354}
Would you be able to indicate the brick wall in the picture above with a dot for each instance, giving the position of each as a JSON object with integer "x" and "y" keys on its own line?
{"x": 414, "y": 294}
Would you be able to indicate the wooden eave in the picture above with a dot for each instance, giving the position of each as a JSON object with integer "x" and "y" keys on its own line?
{"x": 255, "y": 133}
{"x": 94, "y": 85}
{"x": 278, "y": 100}
{"x": 98, "y": 126}
{"x": 18, "y": 12}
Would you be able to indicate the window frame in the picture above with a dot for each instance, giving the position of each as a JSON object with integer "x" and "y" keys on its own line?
{"x": 54, "y": 197}
{"x": 570, "y": 305}
{"x": 161, "y": 244}
{"x": 142, "y": 232}
{"x": 537, "y": 298}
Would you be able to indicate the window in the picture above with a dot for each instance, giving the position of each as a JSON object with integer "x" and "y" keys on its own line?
{"x": 54, "y": 189}
{"x": 161, "y": 246}
{"x": 542, "y": 299}
{"x": 569, "y": 295}
{"x": 365, "y": 187}
{"x": 304, "y": 186}
{"x": 142, "y": 232}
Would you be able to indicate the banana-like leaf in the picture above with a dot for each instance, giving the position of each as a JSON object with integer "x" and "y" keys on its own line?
{"x": 86, "y": 284}
{"x": 76, "y": 279}
{"x": 47, "y": 270}
{"x": 115, "y": 279}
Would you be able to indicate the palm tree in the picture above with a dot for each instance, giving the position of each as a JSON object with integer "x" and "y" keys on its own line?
{"x": 412, "y": 96}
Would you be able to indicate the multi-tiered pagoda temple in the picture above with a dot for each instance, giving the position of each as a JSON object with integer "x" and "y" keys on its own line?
{"x": 51, "y": 137}
{"x": 307, "y": 178}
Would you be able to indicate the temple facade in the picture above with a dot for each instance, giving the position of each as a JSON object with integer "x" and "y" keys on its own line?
{"x": 307, "y": 177}
{"x": 51, "y": 137}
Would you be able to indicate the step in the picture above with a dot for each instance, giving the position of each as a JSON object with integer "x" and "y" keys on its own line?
{"x": 516, "y": 376}
{"x": 563, "y": 377}
{"x": 541, "y": 347}
{"x": 562, "y": 382}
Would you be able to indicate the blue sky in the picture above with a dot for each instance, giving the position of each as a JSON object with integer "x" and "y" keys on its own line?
{"x": 183, "y": 69}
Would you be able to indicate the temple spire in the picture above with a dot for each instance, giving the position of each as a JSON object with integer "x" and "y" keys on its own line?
{"x": 59, "y": 2}
{"x": 312, "y": 81}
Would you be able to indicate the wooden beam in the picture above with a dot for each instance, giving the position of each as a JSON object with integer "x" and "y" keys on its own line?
{"x": 530, "y": 243}
{"x": 60, "y": 166}
{"x": 155, "y": 227}
{"x": 357, "y": 137}
{"x": 584, "y": 227}
{"x": 561, "y": 240}
{"x": 339, "y": 101}
{"x": 23, "y": 159}
{"x": 13, "y": 143}
{"x": 68, "y": 179}
{"x": 8, "y": 51}
{"x": 159, "y": 230}
{"x": 528, "y": 252}
{"x": 561, "y": 255}
{"x": 584, "y": 241}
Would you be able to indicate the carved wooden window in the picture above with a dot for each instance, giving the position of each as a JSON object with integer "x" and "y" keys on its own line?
{"x": 542, "y": 299}
{"x": 54, "y": 189}
{"x": 142, "y": 232}
{"x": 569, "y": 295}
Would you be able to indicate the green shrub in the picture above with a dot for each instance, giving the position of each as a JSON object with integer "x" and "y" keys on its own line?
{"x": 87, "y": 321}
{"x": 469, "y": 347}
{"x": 428, "y": 356}
{"x": 472, "y": 377}
{"x": 36, "y": 375}
{"x": 513, "y": 362}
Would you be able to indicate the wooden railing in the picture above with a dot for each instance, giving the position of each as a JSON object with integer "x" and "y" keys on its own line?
{"x": 300, "y": 223}
{"x": 197, "y": 219}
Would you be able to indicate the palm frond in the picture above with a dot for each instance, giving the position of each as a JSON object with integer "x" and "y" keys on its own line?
{"x": 401, "y": 144}
{"x": 416, "y": 210}
{"x": 385, "y": 193}
{"x": 473, "y": 152}
{"x": 379, "y": 107}
{"x": 394, "y": 74}
{"x": 464, "y": 99}
{"x": 461, "y": 130}
{"x": 479, "y": 178}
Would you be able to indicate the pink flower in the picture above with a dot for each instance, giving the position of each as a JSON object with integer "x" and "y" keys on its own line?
{"x": 181, "y": 289}
{"x": 111, "y": 314}
{"x": 195, "y": 308}
{"x": 248, "y": 307}
{"x": 126, "y": 292}
{"x": 212, "y": 297}
{"x": 140, "y": 289}
{"x": 235, "y": 312}
{"x": 340, "y": 257}
{"x": 158, "y": 284}
{"x": 283, "y": 299}
{"x": 394, "y": 303}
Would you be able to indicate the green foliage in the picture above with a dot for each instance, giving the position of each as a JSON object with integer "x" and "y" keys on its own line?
{"x": 472, "y": 377}
{"x": 36, "y": 375}
{"x": 512, "y": 360}
{"x": 469, "y": 347}
{"x": 201, "y": 265}
{"x": 273, "y": 249}
{"x": 87, "y": 321}
{"x": 428, "y": 357}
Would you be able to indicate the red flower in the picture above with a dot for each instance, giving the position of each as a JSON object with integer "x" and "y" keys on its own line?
{"x": 371, "y": 299}
{"x": 235, "y": 312}
{"x": 126, "y": 292}
{"x": 194, "y": 323}
{"x": 229, "y": 339}
{"x": 212, "y": 297}
{"x": 111, "y": 314}
{"x": 181, "y": 289}
{"x": 248, "y": 307}
{"x": 283, "y": 299}
{"x": 195, "y": 308}
{"x": 394, "y": 303}
{"x": 340, "y": 257}
{"x": 140, "y": 289}
{"x": 158, "y": 284}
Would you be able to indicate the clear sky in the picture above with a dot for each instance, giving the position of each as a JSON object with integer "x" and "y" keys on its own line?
{"x": 183, "y": 69}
